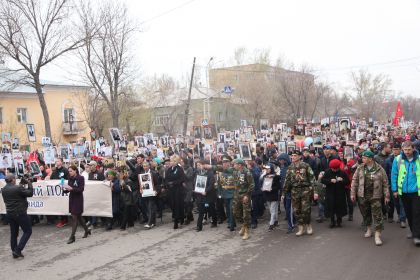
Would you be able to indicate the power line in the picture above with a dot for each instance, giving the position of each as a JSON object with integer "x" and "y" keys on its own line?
{"x": 372, "y": 64}
{"x": 168, "y": 11}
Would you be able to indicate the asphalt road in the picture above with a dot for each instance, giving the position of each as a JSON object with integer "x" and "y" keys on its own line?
{"x": 214, "y": 253}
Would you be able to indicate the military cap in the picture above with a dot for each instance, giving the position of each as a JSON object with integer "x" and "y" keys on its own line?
{"x": 239, "y": 161}
{"x": 368, "y": 154}
{"x": 226, "y": 158}
{"x": 296, "y": 152}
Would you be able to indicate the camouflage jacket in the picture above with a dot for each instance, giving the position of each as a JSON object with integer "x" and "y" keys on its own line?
{"x": 299, "y": 175}
{"x": 245, "y": 182}
{"x": 320, "y": 190}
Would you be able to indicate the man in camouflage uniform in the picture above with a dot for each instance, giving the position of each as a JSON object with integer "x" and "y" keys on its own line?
{"x": 370, "y": 186}
{"x": 226, "y": 188}
{"x": 299, "y": 182}
{"x": 242, "y": 198}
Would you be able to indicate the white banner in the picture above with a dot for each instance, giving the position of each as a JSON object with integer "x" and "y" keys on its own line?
{"x": 49, "y": 199}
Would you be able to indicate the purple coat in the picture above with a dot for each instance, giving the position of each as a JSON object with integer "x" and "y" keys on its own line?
{"x": 76, "y": 195}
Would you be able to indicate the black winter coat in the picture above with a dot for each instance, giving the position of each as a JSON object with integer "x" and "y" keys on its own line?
{"x": 335, "y": 196}
{"x": 211, "y": 192}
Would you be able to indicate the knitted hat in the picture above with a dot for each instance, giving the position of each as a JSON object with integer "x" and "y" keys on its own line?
{"x": 335, "y": 164}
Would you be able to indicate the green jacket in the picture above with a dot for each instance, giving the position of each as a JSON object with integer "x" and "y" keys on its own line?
{"x": 299, "y": 175}
{"x": 245, "y": 182}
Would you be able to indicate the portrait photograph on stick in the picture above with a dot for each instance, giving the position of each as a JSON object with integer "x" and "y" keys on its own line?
{"x": 245, "y": 151}
{"x": 30, "y": 129}
{"x": 200, "y": 184}
{"x": 115, "y": 135}
{"x": 146, "y": 184}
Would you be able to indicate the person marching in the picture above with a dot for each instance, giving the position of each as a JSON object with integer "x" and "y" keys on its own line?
{"x": 76, "y": 186}
{"x": 406, "y": 184}
{"x": 335, "y": 181}
{"x": 370, "y": 183}
{"x": 299, "y": 182}
{"x": 206, "y": 201}
{"x": 15, "y": 199}
{"x": 226, "y": 189}
{"x": 242, "y": 197}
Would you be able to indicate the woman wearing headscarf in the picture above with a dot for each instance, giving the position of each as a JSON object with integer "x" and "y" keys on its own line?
{"x": 175, "y": 180}
{"x": 76, "y": 186}
{"x": 335, "y": 181}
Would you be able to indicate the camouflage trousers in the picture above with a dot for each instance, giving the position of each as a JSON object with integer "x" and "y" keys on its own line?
{"x": 301, "y": 202}
{"x": 371, "y": 207}
{"x": 242, "y": 211}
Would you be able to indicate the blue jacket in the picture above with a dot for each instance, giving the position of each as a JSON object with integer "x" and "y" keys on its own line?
{"x": 283, "y": 170}
{"x": 410, "y": 181}
{"x": 256, "y": 173}
{"x": 388, "y": 167}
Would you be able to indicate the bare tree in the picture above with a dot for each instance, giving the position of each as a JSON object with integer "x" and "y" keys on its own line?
{"x": 239, "y": 55}
{"x": 106, "y": 55}
{"x": 369, "y": 91}
{"x": 94, "y": 112}
{"x": 163, "y": 94}
{"x": 296, "y": 93}
{"x": 33, "y": 34}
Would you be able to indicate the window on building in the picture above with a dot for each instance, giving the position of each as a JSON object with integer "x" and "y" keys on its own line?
{"x": 221, "y": 116}
{"x": 22, "y": 115}
{"x": 161, "y": 120}
{"x": 1, "y": 115}
{"x": 68, "y": 115}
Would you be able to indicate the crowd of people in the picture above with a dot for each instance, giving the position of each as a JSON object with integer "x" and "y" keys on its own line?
{"x": 381, "y": 176}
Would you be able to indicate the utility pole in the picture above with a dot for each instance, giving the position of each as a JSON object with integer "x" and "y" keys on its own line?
{"x": 187, "y": 109}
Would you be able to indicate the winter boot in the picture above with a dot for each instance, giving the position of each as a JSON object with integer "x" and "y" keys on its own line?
{"x": 300, "y": 230}
{"x": 368, "y": 233}
{"x": 378, "y": 241}
{"x": 309, "y": 229}
{"x": 246, "y": 233}
{"x": 242, "y": 231}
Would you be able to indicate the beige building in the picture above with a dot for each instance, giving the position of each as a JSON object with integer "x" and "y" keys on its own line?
{"x": 216, "y": 108}
{"x": 66, "y": 103}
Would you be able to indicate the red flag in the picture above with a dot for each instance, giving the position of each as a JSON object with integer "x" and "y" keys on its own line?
{"x": 396, "y": 121}
{"x": 399, "y": 112}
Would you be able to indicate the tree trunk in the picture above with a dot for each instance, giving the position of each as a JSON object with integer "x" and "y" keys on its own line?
{"x": 127, "y": 127}
{"x": 115, "y": 121}
{"x": 44, "y": 110}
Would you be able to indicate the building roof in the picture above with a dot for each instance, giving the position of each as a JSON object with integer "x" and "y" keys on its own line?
{"x": 258, "y": 67}
{"x": 179, "y": 97}
{"x": 21, "y": 88}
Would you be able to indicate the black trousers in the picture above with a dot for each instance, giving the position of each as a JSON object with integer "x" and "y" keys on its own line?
{"x": 220, "y": 210}
{"x": 176, "y": 198}
{"x": 257, "y": 208}
{"x": 15, "y": 221}
{"x": 202, "y": 209}
{"x": 127, "y": 216}
{"x": 411, "y": 203}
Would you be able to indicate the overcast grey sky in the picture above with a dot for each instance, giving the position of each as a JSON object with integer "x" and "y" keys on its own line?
{"x": 332, "y": 36}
